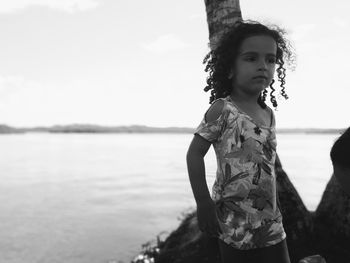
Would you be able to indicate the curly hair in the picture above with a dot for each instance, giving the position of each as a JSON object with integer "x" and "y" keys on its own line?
{"x": 220, "y": 60}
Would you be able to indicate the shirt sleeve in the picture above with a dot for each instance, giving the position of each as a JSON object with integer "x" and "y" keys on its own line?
{"x": 212, "y": 130}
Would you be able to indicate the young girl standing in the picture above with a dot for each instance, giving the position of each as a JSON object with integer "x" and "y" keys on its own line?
{"x": 242, "y": 211}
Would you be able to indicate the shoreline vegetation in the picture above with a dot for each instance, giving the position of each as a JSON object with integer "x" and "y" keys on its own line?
{"x": 91, "y": 128}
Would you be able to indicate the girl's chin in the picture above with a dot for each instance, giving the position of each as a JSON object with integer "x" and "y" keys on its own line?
{"x": 257, "y": 89}
{"x": 261, "y": 87}
{"x": 260, "y": 84}
{"x": 254, "y": 89}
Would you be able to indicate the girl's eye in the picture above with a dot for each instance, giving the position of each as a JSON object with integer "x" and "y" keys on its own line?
{"x": 250, "y": 58}
{"x": 271, "y": 60}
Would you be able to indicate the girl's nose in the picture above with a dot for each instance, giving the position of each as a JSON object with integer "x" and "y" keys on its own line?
{"x": 262, "y": 65}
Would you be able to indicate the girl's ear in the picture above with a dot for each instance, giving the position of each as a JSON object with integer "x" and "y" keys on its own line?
{"x": 231, "y": 74}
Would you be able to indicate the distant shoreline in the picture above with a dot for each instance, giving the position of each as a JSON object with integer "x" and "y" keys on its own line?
{"x": 87, "y": 128}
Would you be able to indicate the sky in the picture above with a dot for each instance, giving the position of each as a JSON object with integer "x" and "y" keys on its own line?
{"x": 139, "y": 62}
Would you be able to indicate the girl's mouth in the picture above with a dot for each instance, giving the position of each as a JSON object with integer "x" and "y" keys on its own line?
{"x": 260, "y": 77}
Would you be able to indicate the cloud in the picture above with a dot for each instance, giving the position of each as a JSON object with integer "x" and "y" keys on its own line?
{"x": 340, "y": 22}
{"x": 302, "y": 31}
{"x": 70, "y": 6}
{"x": 10, "y": 84}
{"x": 198, "y": 16}
{"x": 165, "y": 43}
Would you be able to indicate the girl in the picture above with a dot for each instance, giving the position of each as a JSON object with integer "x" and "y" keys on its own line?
{"x": 243, "y": 211}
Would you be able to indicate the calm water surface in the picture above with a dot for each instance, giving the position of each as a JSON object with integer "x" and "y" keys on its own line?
{"x": 96, "y": 198}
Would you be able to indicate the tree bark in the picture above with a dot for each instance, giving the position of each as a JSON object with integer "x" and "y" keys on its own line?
{"x": 221, "y": 15}
{"x": 297, "y": 220}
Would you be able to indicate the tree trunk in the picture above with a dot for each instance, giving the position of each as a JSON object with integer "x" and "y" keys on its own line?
{"x": 297, "y": 220}
{"x": 221, "y": 15}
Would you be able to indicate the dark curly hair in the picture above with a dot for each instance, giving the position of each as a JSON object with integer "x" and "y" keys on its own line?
{"x": 219, "y": 61}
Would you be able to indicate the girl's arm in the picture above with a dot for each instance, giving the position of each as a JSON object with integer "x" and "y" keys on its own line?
{"x": 206, "y": 213}
{"x": 195, "y": 156}
{"x": 196, "y": 168}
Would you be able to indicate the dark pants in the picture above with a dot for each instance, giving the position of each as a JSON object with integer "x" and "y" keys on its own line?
{"x": 273, "y": 254}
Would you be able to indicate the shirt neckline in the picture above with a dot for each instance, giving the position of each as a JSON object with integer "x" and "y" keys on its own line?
{"x": 248, "y": 116}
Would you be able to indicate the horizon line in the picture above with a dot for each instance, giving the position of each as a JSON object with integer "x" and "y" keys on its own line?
{"x": 148, "y": 126}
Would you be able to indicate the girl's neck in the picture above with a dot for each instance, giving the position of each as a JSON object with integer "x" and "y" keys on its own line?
{"x": 247, "y": 100}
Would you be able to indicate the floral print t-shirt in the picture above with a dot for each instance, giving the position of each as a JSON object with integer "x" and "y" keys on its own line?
{"x": 245, "y": 187}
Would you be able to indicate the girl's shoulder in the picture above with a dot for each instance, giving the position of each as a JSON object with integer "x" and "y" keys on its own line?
{"x": 272, "y": 116}
{"x": 230, "y": 105}
{"x": 215, "y": 110}
{"x": 218, "y": 108}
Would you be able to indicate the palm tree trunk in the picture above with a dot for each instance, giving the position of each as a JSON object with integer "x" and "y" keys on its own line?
{"x": 221, "y": 15}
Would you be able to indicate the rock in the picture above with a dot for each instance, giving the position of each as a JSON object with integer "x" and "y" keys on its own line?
{"x": 332, "y": 224}
{"x": 188, "y": 244}
{"x": 313, "y": 259}
{"x": 323, "y": 234}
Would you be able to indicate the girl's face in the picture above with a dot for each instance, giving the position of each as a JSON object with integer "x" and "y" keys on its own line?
{"x": 255, "y": 65}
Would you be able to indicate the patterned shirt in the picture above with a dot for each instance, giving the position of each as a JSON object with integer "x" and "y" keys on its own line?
{"x": 245, "y": 187}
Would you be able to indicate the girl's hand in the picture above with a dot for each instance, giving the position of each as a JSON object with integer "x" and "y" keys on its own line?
{"x": 207, "y": 219}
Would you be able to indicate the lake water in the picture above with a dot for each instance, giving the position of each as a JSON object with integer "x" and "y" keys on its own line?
{"x": 96, "y": 198}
